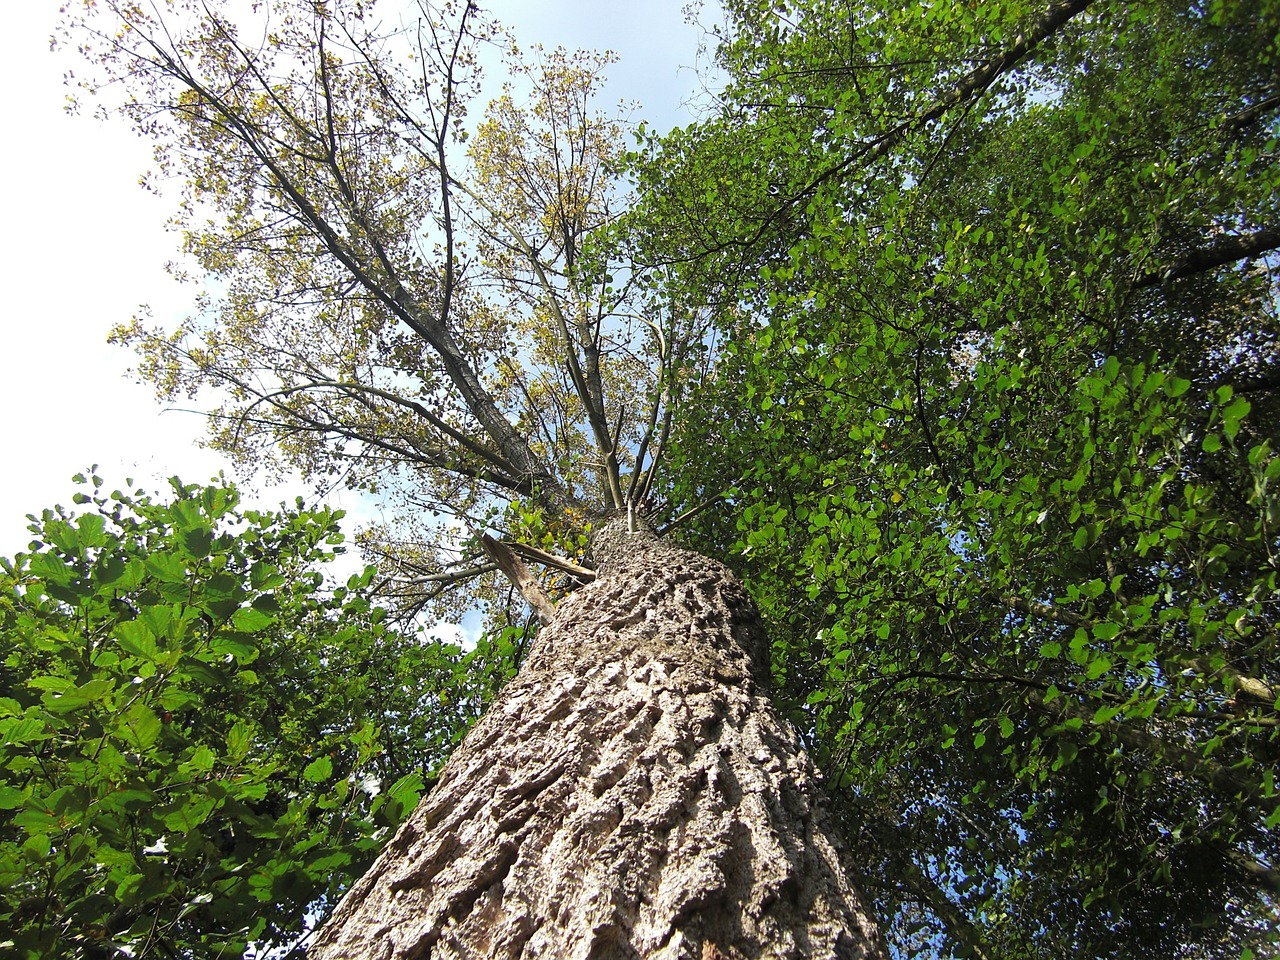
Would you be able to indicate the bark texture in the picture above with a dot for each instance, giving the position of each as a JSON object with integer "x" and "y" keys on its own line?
{"x": 633, "y": 793}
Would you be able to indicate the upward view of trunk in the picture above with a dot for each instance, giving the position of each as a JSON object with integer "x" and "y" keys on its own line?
{"x": 633, "y": 793}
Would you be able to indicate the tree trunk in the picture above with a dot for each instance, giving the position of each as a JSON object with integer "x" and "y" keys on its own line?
{"x": 632, "y": 793}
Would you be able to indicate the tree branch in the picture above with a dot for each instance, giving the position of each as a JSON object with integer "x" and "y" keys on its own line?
{"x": 551, "y": 560}
{"x": 1224, "y": 250}
{"x": 392, "y": 292}
{"x": 519, "y": 575}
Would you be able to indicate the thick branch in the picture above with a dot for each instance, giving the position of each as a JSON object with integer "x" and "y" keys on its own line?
{"x": 299, "y": 421}
{"x": 1222, "y": 251}
{"x": 1257, "y": 874}
{"x": 457, "y": 436}
{"x": 971, "y": 86}
{"x": 587, "y": 392}
{"x": 1253, "y": 687}
{"x": 551, "y": 560}
{"x": 1229, "y": 782}
{"x": 935, "y": 900}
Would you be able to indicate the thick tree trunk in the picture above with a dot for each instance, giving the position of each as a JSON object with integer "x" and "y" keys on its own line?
{"x": 633, "y": 793}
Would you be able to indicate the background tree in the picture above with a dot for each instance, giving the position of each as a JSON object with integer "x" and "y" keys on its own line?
{"x": 199, "y": 745}
{"x": 999, "y": 430}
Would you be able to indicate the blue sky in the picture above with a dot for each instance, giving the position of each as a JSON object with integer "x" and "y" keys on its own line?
{"x": 84, "y": 245}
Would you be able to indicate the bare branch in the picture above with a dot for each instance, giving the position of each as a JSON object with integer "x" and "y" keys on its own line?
{"x": 520, "y": 576}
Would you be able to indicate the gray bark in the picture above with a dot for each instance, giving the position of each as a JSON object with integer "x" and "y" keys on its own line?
{"x": 633, "y": 793}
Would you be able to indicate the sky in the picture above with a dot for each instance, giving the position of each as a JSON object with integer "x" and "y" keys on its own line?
{"x": 85, "y": 246}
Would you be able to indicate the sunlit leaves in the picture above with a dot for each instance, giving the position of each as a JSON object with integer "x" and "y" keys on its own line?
{"x": 192, "y": 736}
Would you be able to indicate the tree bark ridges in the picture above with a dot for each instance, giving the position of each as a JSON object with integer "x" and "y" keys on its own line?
{"x": 633, "y": 793}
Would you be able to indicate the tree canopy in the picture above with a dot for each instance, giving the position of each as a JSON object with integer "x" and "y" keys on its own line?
{"x": 954, "y": 327}
{"x": 998, "y": 428}
{"x": 399, "y": 296}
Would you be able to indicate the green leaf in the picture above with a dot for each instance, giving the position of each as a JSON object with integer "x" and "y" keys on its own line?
{"x": 203, "y": 759}
{"x": 242, "y": 653}
{"x": 52, "y": 684}
{"x": 197, "y": 542}
{"x": 166, "y": 567}
{"x": 238, "y": 741}
{"x": 319, "y": 770}
{"x": 265, "y": 576}
{"x": 30, "y": 728}
{"x": 139, "y": 727}
{"x": 1098, "y": 666}
{"x": 407, "y": 789}
{"x": 11, "y": 797}
{"x": 136, "y": 639}
{"x": 1233, "y": 415}
{"x": 189, "y": 813}
{"x": 249, "y": 620}
{"x": 1106, "y": 630}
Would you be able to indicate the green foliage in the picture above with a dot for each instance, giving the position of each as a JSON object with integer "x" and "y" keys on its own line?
{"x": 998, "y": 422}
{"x": 200, "y": 747}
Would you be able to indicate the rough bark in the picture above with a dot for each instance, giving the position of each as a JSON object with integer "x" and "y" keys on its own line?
{"x": 633, "y": 793}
